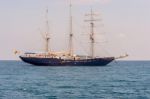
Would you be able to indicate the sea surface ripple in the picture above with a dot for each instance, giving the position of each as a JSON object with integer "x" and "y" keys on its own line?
{"x": 118, "y": 80}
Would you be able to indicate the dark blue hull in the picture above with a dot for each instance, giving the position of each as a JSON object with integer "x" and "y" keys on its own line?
{"x": 62, "y": 62}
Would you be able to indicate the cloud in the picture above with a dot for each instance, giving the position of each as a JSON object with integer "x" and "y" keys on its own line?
{"x": 121, "y": 35}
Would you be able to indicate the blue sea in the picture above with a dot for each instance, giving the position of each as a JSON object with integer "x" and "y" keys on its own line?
{"x": 118, "y": 80}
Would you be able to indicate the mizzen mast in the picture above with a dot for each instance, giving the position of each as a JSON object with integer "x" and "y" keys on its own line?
{"x": 71, "y": 32}
{"x": 92, "y": 34}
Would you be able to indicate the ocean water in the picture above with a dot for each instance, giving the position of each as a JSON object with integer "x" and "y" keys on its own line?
{"x": 118, "y": 80}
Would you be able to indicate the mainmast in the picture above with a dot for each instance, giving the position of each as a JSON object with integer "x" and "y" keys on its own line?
{"x": 92, "y": 34}
{"x": 71, "y": 33}
{"x": 47, "y": 38}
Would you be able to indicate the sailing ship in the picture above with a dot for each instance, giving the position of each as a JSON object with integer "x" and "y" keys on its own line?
{"x": 68, "y": 58}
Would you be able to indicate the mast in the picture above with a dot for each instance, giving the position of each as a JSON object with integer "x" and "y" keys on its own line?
{"x": 71, "y": 33}
{"x": 47, "y": 38}
{"x": 92, "y": 34}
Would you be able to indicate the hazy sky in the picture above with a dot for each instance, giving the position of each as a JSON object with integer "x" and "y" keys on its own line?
{"x": 126, "y": 26}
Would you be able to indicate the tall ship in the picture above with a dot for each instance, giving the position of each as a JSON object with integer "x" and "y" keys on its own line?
{"x": 68, "y": 58}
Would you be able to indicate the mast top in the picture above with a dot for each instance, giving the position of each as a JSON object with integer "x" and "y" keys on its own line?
{"x": 70, "y": 3}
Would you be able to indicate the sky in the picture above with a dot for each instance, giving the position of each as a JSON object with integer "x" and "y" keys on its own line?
{"x": 124, "y": 27}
